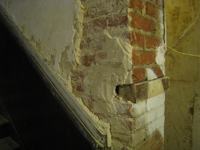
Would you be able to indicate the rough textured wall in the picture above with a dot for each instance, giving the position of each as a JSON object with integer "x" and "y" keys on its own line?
{"x": 123, "y": 43}
{"x": 50, "y": 27}
{"x": 183, "y": 35}
{"x": 94, "y": 46}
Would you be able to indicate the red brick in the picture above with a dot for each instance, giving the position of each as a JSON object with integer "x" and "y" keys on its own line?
{"x": 157, "y": 71}
{"x": 117, "y": 20}
{"x": 138, "y": 75}
{"x": 143, "y": 57}
{"x": 136, "y": 4}
{"x": 153, "y": 11}
{"x": 159, "y": 3}
{"x": 158, "y": 145}
{"x": 80, "y": 88}
{"x": 152, "y": 42}
{"x": 137, "y": 39}
{"x": 94, "y": 26}
{"x": 95, "y": 43}
{"x": 141, "y": 22}
{"x": 88, "y": 60}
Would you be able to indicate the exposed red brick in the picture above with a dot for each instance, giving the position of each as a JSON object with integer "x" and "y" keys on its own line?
{"x": 153, "y": 11}
{"x": 102, "y": 55}
{"x": 80, "y": 88}
{"x": 117, "y": 20}
{"x": 141, "y": 22}
{"x": 137, "y": 39}
{"x": 138, "y": 75}
{"x": 152, "y": 42}
{"x": 95, "y": 43}
{"x": 88, "y": 60}
{"x": 143, "y": 57}
{"x": 94, "y": 26}
{"x": 136, "y": 4}
{"x": 159, "y": 3}
{"x": 158, "y": 145}
{"x": 157, "y": 71}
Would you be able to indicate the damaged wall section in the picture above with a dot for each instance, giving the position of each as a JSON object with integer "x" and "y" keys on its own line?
{"x": 95, "y": 46}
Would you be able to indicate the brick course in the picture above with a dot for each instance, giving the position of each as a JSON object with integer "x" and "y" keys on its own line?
{"x": 136, "y": 4}
{"x": 118, "y": 20}
{"x": 133, "y": 125}
{"x": 139, "y": 75}
{"x": 158, "y": 72}
{"x": 153, "y": 11}
{"x": 152, "y": 42}
{"x": 141, "y": 22}
{"x": 94, "y": 26}
{"x": 143, "y": 57}
{"x": 88, "y": 60}
{"x": 137, "y": 39}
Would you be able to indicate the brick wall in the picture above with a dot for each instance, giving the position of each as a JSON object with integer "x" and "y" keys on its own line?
{"x": 140, "y": 24}
{"x": 109, "y": 44}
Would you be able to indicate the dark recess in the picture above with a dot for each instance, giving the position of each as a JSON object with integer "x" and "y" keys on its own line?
{"x": 38, "y": 117}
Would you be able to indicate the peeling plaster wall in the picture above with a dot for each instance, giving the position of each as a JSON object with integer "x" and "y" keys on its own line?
{"x": 183, "y": 34}
{"x": 91, "y": 46}
{"x": 49, "y": 25}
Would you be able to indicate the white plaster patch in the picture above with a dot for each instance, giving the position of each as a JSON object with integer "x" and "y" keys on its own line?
{"x": 156, "y": 125}
{"x": 48, "y": 23}
{"x": 150, "y": 74}
{"x": 156, "y": 101}
{"x": 160, "y": 56}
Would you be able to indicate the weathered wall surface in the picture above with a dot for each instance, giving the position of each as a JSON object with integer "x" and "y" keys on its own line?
{"x": 94, "y": 46}
{"x": 183, "y": 35}
{"x": 49, "y": 25}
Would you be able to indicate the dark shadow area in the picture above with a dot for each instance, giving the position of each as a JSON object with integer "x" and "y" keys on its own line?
{"x": 38, "y": 117}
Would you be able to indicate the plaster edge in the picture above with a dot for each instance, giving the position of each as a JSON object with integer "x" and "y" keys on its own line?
{"x": 98, "y": 130}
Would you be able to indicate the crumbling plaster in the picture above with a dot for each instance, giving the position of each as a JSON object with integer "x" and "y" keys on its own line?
{"x": 49, "y": 25}
{"x": 55, "y": 29}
